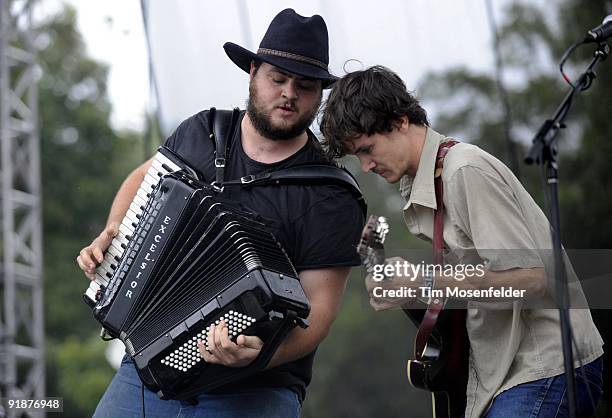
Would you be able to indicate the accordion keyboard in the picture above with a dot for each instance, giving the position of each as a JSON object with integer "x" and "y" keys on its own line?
{"x": 162, "y": 164}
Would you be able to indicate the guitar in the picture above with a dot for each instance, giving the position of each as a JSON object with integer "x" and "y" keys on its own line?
{"x": 441, "y": 347}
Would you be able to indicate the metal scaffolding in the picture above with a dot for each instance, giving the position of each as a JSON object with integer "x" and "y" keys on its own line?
{"x": 22, "y": 364}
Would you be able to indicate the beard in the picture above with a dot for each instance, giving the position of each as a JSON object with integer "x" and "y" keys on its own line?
{"x": 263, "y": 122}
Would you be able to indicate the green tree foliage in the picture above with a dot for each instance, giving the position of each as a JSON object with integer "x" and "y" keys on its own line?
{"x": 531, "y": 46}
{"x": 79, "y": 373}
{"x": 586, "y": 197}
{"x": 83, "y": 163}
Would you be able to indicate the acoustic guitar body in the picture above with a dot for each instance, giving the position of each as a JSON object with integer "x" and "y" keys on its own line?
{"x": 443, "y": 369}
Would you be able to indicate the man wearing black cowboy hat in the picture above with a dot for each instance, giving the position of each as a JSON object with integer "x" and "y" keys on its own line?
{"x": 316, "y": 225}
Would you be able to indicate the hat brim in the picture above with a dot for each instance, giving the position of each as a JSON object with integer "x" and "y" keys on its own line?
{"x": 242, "y": 57}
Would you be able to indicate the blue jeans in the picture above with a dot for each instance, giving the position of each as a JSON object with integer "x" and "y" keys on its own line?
{"x": 123, "y": 398}
{"x": 546, "y": 397}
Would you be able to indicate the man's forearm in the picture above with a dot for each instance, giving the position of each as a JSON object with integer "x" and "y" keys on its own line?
{"x": 125, "y": 195}
{"x": 405, "y": 289}
{"x": 300, "y": 342}
{"x": 324, "y": 289}
{"x": 532, "y": 281}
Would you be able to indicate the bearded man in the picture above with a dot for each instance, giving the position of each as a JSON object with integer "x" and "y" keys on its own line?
{"x": 287, "y": 76}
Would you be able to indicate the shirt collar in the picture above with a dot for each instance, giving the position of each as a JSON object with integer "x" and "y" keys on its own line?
{"x": 419, "y": 189}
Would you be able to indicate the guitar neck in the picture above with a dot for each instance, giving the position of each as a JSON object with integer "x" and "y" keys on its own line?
{"x": 374, "y": 256}
{"x": 370, "y": 247}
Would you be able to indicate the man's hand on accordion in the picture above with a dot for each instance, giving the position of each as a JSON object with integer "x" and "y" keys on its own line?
{"x": 91, "y": 256}
{"x": 222, "y": 350}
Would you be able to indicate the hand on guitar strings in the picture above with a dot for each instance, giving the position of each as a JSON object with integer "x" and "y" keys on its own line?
{"x": 397, "y": 290}
{"x": 222, "y": 350}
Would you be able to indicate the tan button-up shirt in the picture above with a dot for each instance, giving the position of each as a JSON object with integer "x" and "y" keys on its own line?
{"x": 488, "y": 210}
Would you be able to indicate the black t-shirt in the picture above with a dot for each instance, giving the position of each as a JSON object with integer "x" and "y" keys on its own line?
{"x": 317, "y": 225}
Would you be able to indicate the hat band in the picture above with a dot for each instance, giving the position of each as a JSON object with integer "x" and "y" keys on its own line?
{"x": 295, "y": 57}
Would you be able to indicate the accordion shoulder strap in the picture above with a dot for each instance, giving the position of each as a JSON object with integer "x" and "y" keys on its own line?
{"x": 306, "y": 174}
{"x": 221, "y": 125}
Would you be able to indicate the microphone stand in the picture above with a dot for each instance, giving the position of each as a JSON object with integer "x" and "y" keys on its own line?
{"x": 544, "y": 151}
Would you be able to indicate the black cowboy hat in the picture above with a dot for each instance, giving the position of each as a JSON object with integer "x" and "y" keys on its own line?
{"x": 294, "y": 43}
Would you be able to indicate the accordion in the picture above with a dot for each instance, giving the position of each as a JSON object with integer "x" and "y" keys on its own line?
{"x": 184, "y": 259}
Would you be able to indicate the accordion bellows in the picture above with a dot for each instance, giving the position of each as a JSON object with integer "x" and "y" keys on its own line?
{"x": 193, "y": 259}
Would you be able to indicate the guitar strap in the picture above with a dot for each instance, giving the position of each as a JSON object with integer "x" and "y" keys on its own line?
{"x": 438, "y": 232}
{"x": 436, "y": 305}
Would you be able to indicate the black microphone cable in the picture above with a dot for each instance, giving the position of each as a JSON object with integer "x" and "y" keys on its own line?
{"x": 598, "y": 34}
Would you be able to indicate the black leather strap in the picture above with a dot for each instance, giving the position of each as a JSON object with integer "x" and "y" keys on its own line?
{"x": 222, "y": 124}
{"x": 316, "y": 173}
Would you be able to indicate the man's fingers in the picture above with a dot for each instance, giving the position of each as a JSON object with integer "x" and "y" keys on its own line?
{"x": 85, "y": 256}
{"x": 382, "y": 304}
{"x": 206, "y": 355}
{"x": 221, "y": 349}
{"x": 250, "y": 341}
{"x": 92, "y": 256}
{"x": 104, "y": 239}
{"x": 80, "y": 262}
{"x": 226, "y": 344}
{"x": 377, "y": 305}
{"x": 217, "y": 335}
{"x": 98, "y": 254}
{"x": 90, "y": 273}
{"x": 85, "y": 261}
{"x": 370, "y": 284}
{"x": 211, "y": 338}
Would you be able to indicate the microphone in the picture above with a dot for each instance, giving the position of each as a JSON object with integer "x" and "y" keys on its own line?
{"x": 601, "y": 32}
